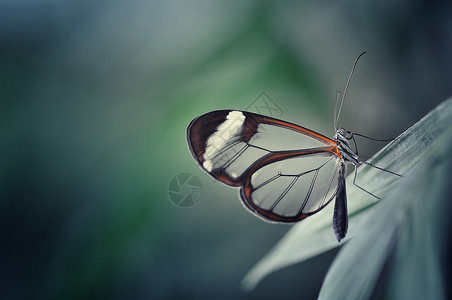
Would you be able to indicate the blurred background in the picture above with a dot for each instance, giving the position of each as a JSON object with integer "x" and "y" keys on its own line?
{"x": 95, "y": 99}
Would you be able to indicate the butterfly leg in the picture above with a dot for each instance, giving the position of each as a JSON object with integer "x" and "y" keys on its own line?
{"x": 353, "y": 134}
{"x": 354, "y": 142}
{"x": 381, "y": 169}
{"x": 354, "y": 182}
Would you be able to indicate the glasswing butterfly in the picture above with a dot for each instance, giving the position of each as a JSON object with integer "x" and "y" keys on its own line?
{"x": 285, "y": 172}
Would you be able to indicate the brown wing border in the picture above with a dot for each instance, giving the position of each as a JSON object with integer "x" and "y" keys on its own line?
{"x": 202, "y": 127}
{"x": 247, "y": 189}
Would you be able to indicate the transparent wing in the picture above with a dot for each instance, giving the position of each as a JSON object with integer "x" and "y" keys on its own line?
{"x": 291, "y": 186}
{"x": 228, "y": 143}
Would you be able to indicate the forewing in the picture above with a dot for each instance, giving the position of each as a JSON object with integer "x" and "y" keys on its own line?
{"x": 228, "y": 143}
{"x": 288, "y": 187}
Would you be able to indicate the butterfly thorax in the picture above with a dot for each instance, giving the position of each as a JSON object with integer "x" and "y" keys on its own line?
{"x": 344, "y": 147}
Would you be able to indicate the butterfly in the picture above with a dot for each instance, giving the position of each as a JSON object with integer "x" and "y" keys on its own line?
{"x": 285, "y": 172}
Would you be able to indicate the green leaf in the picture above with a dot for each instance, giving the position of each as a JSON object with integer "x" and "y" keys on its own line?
{"x": 314, "y": 235}
{"x": 409, "y": 221}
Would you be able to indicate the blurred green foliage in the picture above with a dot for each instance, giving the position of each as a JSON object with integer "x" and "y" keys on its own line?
{"x": 95, "y": 100}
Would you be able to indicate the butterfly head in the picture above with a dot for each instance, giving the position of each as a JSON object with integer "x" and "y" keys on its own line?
{"x": 342, "y": 135}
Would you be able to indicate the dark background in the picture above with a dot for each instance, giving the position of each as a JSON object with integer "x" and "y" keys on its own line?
{"x": 95, "y": 98}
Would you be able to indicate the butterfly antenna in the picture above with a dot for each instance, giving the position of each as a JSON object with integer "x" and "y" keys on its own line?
{"x": 338, "y": 114}
{"x": 338, "y": 96}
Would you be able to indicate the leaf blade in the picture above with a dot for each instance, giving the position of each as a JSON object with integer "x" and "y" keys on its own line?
{"x": 404, "y": 222}
{"x": 314, "y": 236}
